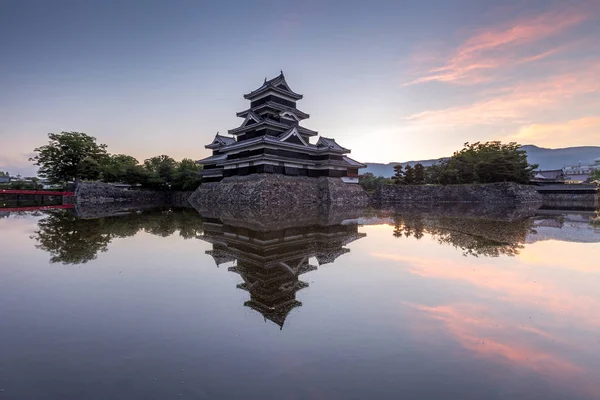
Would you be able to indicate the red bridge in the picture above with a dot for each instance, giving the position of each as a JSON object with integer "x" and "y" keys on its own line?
{"x": 36, "y": 192}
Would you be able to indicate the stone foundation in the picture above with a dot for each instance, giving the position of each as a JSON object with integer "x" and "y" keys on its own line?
{"x": 264, "y": 192}
{"x": 103, "y": 193}
{"x": 493, "y": 193}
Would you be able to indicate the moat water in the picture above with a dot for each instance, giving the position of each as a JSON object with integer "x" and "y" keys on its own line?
{"x": 168, "y": 304}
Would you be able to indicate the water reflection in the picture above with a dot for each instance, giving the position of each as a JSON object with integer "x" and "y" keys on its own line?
{"x": 73, "y": 240}
{"x": 270, "y": 262}
{"x": 394, "y": 308}
{"x": 473, "y": 236}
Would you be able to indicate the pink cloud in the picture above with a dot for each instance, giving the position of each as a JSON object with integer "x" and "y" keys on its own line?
{"x": 501, "y": 47}
{"x": 518, "y": 104}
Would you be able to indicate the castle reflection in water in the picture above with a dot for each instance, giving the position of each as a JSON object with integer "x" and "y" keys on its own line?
{"x": 270, "y": 263}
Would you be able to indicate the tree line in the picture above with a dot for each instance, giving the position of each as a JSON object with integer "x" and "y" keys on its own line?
{"x": 478, "y": 162}
{"x": 75, "y": 156}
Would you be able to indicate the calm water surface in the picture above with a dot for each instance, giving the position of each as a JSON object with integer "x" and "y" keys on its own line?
{"x": 168, "y": 305}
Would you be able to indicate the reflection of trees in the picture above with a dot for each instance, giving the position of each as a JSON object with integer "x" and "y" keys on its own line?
{"x": 595, "y": 220}
{"x": 71, "y": 240}
{"x": 475, "y": 237}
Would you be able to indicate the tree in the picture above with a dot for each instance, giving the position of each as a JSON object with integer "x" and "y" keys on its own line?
{"x": 89, "y": 169}
{"x": 61, "y": 159}
{"x": 419, "y": 174}
{"x": 595, "y": 176}
{"x": 135, "y": 175}
{"x": 370, "y": 182}
{"x": 483, "y": 163}
{"x": 186, "y": 175}
{"x": 2, "y": 173}
{"x": 160, "y": 171}
{"x": 409, "y": 175}
{"x": 398, "y": 174}
{"x": 115, "y": 166}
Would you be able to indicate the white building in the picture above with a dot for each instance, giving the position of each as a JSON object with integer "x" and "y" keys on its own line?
{"x": 581, "y": 173}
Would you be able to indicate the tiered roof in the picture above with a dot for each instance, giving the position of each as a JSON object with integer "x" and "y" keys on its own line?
{"x": 277, "y": 85}
{"x": 220, "y": 141}
{"x": 272, "y": 122}
{"x": 265, "y": 122}
{"x": 277, "y": 107}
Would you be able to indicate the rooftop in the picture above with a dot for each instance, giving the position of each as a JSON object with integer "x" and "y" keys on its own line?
{"x": 277, "y": 84}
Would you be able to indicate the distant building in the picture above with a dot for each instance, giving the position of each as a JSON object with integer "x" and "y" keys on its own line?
{"x": 271, "y": 140}
{"x": 581, "y": 173}
{"x": 4, "y": 179}
{"x": 550, "y": 176}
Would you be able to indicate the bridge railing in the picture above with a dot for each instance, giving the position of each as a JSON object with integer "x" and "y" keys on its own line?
{"x": 36, "y": 192}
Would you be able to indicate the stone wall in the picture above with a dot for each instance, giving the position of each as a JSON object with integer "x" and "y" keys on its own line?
{"x": 264, "y": 192}
{"x": 500, "y": 193}
{"x": 101, "y": 193}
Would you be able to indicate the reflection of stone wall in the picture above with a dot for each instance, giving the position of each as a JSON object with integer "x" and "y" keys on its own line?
{"x": 570, "y": 201}
{"x": 102, "y": 193}
{"x": 494, "y": 193}
{"x": 490, "y": 211}
{"x": 266, "y": 191}
{"x": 260, "y": 219}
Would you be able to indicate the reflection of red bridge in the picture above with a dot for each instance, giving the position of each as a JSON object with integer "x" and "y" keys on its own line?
{"x": 35, "y": 192}
{"x": 36, "y": 208}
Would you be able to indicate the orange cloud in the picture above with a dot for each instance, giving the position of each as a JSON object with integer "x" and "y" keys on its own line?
{"x": 516, "y": 104}
{"x": 582, "y": 131}
{"x": 502, "y": 47}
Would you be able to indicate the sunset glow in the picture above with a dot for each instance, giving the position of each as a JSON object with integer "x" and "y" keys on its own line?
{"x": 163, "y": 79}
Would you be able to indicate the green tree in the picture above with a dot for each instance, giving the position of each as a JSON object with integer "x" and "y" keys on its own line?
{"x": 186, "y": 175}
{"x": 115, "y": 166}
{"x": 483, "y": 163}
{"x": 595, "y": 176}
{"x": 61, "y": 159}
{"x": 2, "y": 173}
{"x": 398, "y": 174}
{"x": 419, "y": 174}
{"x": 160, "y": 171}
{"x": 409, "y": 175}
{"x": 89, "y": 169}
{"x": 135, "y": 175}
{"x": 370, "y": 182}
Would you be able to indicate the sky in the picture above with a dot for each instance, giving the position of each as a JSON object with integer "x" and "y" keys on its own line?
{"x": 391, "y": 80}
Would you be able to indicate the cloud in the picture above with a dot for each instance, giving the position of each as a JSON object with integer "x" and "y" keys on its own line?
{"x": 520, "y": 102}
{"x": 501, "y": 47}
{"x": 582, "y": 131}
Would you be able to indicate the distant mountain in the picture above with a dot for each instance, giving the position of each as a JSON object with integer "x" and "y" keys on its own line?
{"x": 545, "y": 158}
